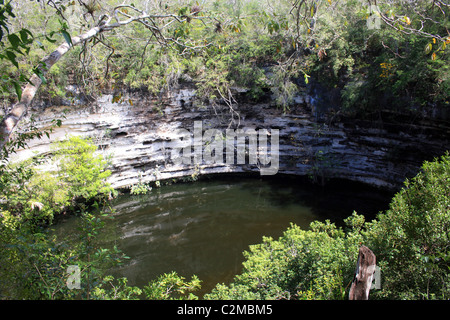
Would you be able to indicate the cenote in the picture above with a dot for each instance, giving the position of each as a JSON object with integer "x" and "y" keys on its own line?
{"x": 204, "y": 227}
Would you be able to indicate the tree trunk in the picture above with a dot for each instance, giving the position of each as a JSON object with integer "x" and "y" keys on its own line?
{"x": 10, "y": 121}
{"x": 362, "y": 281}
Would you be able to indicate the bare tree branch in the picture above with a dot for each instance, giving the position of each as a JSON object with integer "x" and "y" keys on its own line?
{"x": 10, "y": 121}
{"x": 106, "y": 23}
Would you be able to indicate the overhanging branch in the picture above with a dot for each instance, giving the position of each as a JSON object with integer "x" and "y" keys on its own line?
{"x": 106, "y": 23}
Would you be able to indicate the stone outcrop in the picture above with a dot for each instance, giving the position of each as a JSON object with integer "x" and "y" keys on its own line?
{"x": 137, "y": 135}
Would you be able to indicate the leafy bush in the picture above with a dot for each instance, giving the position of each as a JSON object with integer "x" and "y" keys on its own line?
{"x": 302, "y": 264}
{"x": 34, "y": 263}
{"x": 168, "y": 286}
{"x": 140, "y": 189}
{"x": 81, "y": 169}
{"x": 172, "y": 286}
{"x": 411, "y": 240}
{"x": 29, "y": 193}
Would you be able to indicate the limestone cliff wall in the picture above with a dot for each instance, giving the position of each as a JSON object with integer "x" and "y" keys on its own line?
{"x": 138, "y": 135}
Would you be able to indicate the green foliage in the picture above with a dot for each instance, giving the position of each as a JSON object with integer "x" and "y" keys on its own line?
{"x": 322, "y": 162}
{"x": 172, "y": 286}
{"x": 302, "y": 264}
{"x": 82, "y": 169}
{"x": 115, "y": 289}
{"x": 18, "y": 44}
{"x": 35, "y": 263}
{"x": 140, "y": 189}
{"x": 29, "y": 193}
{"x": 234, "y": 60}
{"x": 411, "y": 239}
{"x": 16, "y": 191}
{"x": 252, "y": 45}
{"x": 407, "y": 81}
{"x": 282, "y": 85}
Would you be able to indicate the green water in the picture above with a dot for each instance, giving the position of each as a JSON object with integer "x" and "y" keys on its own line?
{"x": 202, "y": 228}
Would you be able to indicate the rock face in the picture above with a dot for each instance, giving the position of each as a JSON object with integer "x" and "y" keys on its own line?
{"x": 138, "y": 136}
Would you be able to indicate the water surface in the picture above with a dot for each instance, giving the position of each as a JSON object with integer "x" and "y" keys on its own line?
{"x": 203, "y": 228}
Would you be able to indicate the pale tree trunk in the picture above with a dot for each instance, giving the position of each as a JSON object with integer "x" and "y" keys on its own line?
{"x": 362, "y": 281}
{"x": 149, "y": 21}
{"x": 10, "y": 121}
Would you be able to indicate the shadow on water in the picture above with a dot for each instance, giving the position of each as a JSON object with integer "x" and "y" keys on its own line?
{"x": 335, "y": 201}
{"x": 203, "y": 228}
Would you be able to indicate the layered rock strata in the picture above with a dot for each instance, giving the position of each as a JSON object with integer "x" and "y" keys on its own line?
{"x": 138, "y": 137}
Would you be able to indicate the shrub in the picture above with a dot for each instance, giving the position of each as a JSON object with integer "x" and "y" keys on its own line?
{"x": 411, "y": 240}
{"x": 34, "y": 264}
{"x": 30, "y": 193}
{"x": 170, "y": 286}
{"x": 81, "y": 169}
{"x": 140, "y": 189}
{"x": 302, "y": 264}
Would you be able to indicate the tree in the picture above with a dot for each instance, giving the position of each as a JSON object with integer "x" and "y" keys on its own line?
{"x": 311, "y": 33}
{"x": 379, "y": 54}
{"x": 412, "y": 238}
{"x": 97, "y": 24}
{"x": 425, "y": 18}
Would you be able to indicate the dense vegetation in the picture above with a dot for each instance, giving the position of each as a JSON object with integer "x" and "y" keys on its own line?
{"x": 216, "y": 46}
{"x": 403, "y": 64}
{"x": 410, "y": 241}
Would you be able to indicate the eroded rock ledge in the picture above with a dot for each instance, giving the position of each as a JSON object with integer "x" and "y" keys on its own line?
{"x": 137, "y": 134}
